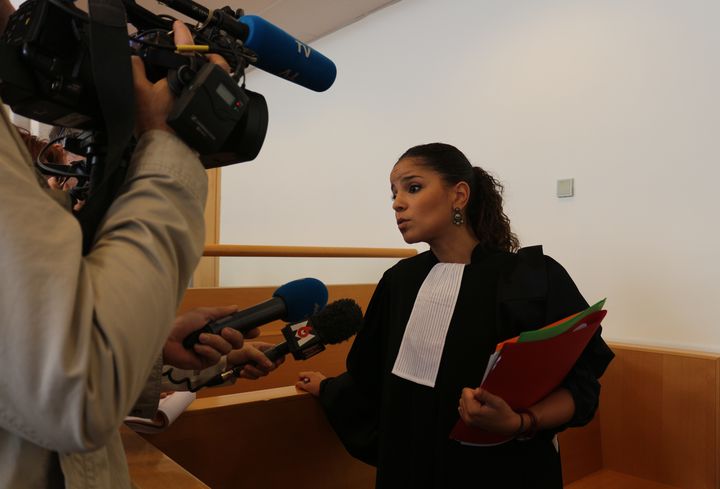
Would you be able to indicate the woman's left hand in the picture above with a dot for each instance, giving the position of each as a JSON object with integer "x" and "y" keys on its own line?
{"x": 309, "y": 381}
{"x": 481, "y": 409}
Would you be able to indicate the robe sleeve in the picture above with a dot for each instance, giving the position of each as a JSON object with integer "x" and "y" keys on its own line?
{"x": 352, "y": 400}
{"x": 582, "y": 382}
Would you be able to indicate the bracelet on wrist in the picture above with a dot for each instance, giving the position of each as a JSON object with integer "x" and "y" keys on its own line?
{"x": 521, "y": 429}
{"x": 531, "y": 429}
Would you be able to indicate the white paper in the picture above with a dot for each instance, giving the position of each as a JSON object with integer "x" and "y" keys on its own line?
{"x": 169, "y": 408}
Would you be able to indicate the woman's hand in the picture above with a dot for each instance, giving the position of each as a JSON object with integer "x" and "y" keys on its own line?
{"x": 310, "y": 382}
{"x": 486, "y": 411}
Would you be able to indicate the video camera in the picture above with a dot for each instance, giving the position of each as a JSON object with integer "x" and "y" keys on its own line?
{"x": 62, "y": 66}
{"x": 46, "y": 73}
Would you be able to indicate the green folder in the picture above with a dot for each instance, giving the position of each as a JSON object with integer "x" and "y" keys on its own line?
{"x": 550, "y": 332}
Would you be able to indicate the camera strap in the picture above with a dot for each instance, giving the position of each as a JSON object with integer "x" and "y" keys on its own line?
{"x": 112, "y": 74}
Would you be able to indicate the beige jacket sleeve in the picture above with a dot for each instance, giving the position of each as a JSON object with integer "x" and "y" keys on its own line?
{"x": 80, "y": 334}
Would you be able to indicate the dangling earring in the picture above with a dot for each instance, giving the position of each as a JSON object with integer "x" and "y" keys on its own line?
{"x": 457, "y": 217}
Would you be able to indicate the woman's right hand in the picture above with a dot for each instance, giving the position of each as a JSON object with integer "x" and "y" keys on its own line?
{"x": 310, "y": 382}
{"x": 481, "y": 409}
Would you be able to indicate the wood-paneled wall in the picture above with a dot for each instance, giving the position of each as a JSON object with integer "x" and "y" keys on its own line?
{"x": 270, "y": 438}
{"x": 659, "y": 416}
{"x": 207, "y": 273}
{"x": 658, "y": 420}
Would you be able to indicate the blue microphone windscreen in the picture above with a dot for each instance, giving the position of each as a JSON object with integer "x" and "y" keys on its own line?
{"x": 282, "y": 55}
{"x": 302, "y": 298}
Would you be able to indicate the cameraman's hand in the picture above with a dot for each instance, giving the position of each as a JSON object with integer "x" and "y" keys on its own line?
{"x": 252, "y": 354}
{"x": 153, "y": 101}
{"x": 6, "y": 10}
{"x": 211, "y": 347}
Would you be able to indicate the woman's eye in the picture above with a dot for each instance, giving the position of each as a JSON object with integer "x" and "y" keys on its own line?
{"x": 414, "y": 188}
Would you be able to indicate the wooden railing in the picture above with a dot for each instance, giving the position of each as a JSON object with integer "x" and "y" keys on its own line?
{"x": 208, "y": 271}
{"x": 307, "y": 251}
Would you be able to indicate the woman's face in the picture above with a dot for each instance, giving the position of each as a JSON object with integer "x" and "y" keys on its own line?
{"x": 422, "y": 202}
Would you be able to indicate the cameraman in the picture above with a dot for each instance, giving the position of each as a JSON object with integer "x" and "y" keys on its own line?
{"x": 81, "y": 334}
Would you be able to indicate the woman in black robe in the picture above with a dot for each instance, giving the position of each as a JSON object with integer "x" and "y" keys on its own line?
{"x": 402, "y": 427}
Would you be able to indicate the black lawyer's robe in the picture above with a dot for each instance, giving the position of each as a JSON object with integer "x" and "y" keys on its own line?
{"x": 403, "y": 427}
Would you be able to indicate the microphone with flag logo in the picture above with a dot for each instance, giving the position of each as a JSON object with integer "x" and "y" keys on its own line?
{"x": 336, "y": 323}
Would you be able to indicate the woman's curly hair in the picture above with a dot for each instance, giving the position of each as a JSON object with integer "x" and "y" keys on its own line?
{"x": 485, "y": 214}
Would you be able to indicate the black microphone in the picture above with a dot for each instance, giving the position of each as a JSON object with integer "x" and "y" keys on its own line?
{"x": 292, "y": 302}
{"x": 336, "y": 323}
{"x": 339, "y": 321}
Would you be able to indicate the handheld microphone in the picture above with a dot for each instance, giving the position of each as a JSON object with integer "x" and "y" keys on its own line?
{"x": 339, "y": 321}
{"x": 282, "y": 55}
{"x": 336, "y": 323}
{"x": 292, "y": 302}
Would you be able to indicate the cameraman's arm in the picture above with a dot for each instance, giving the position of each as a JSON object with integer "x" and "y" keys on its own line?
{"x": 80, "y": 334}
{"x": 6, "y": 9}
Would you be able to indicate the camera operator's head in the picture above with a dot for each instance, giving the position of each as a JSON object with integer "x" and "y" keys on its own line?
{"x": 53, "y": 153}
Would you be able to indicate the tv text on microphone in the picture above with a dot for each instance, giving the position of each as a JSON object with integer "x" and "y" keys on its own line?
{"x": 275, "y": 51}
{"x": 339, "y": 321}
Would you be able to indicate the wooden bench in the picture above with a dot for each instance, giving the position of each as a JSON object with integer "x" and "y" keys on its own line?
{"x": 657, "y": 427}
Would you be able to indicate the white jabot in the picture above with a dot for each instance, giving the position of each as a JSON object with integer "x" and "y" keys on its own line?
{"x": 422, "y": 345}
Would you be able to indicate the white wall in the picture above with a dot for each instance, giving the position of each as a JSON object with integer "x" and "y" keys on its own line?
{"x": 621, "y": 95}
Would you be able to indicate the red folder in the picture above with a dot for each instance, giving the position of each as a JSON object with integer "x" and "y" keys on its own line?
{"x": 524, "y": 373}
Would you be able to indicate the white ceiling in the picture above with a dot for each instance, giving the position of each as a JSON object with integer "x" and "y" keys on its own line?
{"x": 306, "y": 20}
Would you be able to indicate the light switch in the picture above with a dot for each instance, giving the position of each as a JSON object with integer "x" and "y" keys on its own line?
{"x": 566, "y": 188}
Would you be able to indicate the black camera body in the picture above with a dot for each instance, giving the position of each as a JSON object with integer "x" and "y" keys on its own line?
{"x": 45, "y": 68}
{"x": 46, "y": 75}
{"x": 221, "y": 120}
{"x": 67, "y": 68}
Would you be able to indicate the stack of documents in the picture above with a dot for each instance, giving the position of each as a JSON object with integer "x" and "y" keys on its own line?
{"x": 525, "y": 369}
